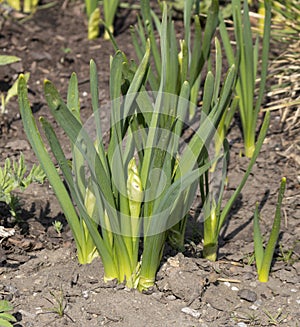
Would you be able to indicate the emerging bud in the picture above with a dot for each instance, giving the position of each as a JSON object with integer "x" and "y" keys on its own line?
{"x": 134, "y": 189}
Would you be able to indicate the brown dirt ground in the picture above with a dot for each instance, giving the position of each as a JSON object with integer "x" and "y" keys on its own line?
{"x": 38, "y": 267}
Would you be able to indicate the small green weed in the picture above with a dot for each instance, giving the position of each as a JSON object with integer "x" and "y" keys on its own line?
{"x": 14, "y": 175}
{"x": 5, "y": 317}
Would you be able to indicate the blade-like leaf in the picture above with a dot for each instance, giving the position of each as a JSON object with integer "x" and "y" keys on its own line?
{"x": 6, "y": 60}
{"x": 258, "y": 243}
{"x": 37, "y": 144}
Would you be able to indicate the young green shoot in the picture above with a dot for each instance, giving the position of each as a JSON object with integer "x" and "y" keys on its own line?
{"x": 247, "y": 59}
{"x": 214, "y": 215}
{"x": 58, "y": 226}
{"x": 14, "y": 175}
{"x": 59, "y": 304}
{"x": 277, "y": 318}
{"x": 263, "y": 257}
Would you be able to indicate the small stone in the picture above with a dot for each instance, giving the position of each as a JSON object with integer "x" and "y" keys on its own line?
{"x": 256, "y": 305}
{"x": 247, "y": 295}
{"x": 191, "y": 312}
{"x": 85, "y": 294}
{"x": 234, "y": 288}
{"x": 241, "y": 324}
{"x": 253, "y": 307}
{"x": 171, "y": 297}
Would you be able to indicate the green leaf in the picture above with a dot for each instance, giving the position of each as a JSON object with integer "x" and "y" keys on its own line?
{"x": 5, "y": 323}
{"x": 270, "y": 248}
{"x": 92, "y": 227}
{"x": 79, "y": 137}
{"x": 110, "y": 8}
{"x": 136, "y": 82}
{"x": 40, "y": 151}
{"x": 90, "y": 6}
{"x": 6, "y": 60}
{"x": 73, "y": 102}
{"x": 147, "y": 19}
{"x": 258, "y": 243}
{"x": 5, "y": 306}
{"x": 13, "y": 91}
{"x": 8, "y": 317}
{"x": 260, "y": 140}
{"x": 212, "y": 22}
{"x": 96, "y": 112}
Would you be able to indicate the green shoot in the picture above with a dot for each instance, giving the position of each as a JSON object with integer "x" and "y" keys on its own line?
{"x": 247, "y": 59}
{"x": 287, "y": 256}
{"x": 275, "y": 319}
{"x": 58, "y": 226}
{"x": 6, "y": 60}
{"x": 263, "y": 257}
{"x": 59, "y": 303}
{"x": 214, "y": 215}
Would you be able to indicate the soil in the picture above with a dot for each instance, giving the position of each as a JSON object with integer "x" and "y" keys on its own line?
{"x": 39, "y": 272}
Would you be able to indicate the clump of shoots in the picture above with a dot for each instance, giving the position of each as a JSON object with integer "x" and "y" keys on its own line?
{"x": 263, "y": 257}
{"x": 247, "y": 57}
{"x": 59, "y": 303}
{"x": 15, "y": 176}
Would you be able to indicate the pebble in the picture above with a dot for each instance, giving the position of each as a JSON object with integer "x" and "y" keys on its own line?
{"x": 247, "y": 295}
{"x": 241, "y": 324}
{"x": 191, "y": 312}
{"x": 171, "y": 297}
{"x": 85, "y": 294}
{"x": 256, "y": 305}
